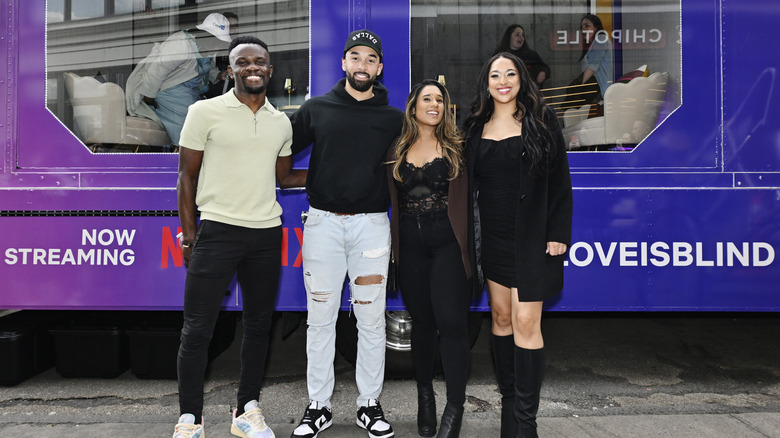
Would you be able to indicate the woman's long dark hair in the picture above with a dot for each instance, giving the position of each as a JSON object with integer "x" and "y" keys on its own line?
{"x": 538, "y": 120}
{"x": 446, "y": 132}
{"x": 599, "y": 27}
{"x": 504, "y": 45}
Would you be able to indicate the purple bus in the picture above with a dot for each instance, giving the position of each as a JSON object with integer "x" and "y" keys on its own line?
{"x": 676, "y": 184}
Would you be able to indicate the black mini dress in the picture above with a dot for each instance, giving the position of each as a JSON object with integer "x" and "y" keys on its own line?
{"x": 497, "y": 171}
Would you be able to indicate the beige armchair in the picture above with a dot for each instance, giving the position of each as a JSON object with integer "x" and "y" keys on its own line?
{"x": 100, "y": 117}
{"x": 630, "y": 112}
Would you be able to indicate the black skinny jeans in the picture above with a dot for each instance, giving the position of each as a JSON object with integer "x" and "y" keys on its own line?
{"x": 220, "y": 251}
{"x": 437, "y": 294}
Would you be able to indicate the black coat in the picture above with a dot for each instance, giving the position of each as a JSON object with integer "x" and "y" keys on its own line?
{"x": 543, "y": 214}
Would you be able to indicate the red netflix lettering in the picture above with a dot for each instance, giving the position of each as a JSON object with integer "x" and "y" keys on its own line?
{"x": 299, "y": 258}
{"x": 171, "y": 247}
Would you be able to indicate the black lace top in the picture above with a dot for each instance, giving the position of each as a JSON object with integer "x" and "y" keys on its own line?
{"x": 423, "y": 190}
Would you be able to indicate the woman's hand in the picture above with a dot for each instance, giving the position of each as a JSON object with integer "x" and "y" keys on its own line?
{"x": 555, "y": 248}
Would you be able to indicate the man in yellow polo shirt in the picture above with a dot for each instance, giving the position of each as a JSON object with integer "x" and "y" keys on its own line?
{"x": 233, "y": 149}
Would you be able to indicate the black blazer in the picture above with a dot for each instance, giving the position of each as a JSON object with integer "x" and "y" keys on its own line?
{"x": 543, "y": 214}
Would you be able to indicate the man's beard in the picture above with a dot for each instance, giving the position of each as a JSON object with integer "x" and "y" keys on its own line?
{"x": 360, "y": 86}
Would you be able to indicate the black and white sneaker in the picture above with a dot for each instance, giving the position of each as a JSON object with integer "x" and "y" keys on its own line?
{"x": 372, "y": 419}
{"x": 315, "y": 420}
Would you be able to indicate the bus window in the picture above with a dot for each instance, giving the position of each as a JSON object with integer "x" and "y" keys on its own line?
{"x": 93, "y": 49}
{"x": 611, "y": 76}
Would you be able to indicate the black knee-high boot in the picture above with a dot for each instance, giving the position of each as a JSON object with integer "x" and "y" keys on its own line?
{"x": 504, "y": 359}
{"x": 529, "y": 372}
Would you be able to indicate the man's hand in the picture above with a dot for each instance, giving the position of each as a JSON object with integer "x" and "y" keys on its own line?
{"x": 150, "y": 101}
{"x": 186, "y": 252}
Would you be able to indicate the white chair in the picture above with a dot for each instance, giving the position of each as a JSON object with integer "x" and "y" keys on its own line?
{"x": 630, "y": 112}
{"x": 100, "y": 116}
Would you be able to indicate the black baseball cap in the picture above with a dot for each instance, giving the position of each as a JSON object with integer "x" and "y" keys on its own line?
{"x": 364, "y": 37}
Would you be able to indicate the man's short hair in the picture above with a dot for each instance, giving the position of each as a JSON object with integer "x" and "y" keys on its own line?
{"x": 247, "y": 39}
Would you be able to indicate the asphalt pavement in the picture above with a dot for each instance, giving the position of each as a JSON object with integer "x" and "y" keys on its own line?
{"x": 607, "y": 375}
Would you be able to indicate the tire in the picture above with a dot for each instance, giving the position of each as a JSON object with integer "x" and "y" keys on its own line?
{"x": 398, "y": 357}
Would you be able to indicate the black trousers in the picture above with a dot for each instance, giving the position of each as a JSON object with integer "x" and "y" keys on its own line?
{"x": 437, "y": 294}
{"x": 221, "y": 251}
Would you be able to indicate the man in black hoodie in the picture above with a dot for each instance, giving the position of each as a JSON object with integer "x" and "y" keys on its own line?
{"x": 347, "y": 231}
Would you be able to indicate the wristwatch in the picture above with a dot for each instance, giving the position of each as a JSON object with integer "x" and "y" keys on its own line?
{"x": 186, "y": 245}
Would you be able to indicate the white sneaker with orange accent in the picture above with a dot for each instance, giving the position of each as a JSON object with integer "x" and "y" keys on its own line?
{"x": 251, "y": 423}
{"x": 186, "y": 428}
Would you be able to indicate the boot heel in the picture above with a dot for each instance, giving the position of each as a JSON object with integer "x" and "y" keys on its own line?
{"x": 451, "y": 421}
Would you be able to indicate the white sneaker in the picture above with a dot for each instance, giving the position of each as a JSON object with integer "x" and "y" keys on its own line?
{"x": 251, "y": 423}
{"x": 186, "y": 428}
{"x": 372, "y": 419}
{"x": 315, "y": 419}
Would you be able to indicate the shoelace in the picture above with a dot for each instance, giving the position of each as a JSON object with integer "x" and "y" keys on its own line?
{"x": 375, "y": 412}
{"x": 307, "y": 416}
{"x": 185, "y": 430}
{"x": 255, "y": 416}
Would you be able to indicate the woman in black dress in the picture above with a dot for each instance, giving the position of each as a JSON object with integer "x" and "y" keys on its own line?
{"x": 517, "y": 160}
{"x": 429, "y": 225}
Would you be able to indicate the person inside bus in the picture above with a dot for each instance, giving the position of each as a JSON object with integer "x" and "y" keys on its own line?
{"x": 514, "y": 41}
{"x": 519, "y": 173}
{"x": 596, "y": 66}
{"x": 347, "y": 231}
{"x": 176, "y": 73}
{"x": 220, "y": 82}
{"x": 233, "y": 147}
{"x": 429, "y": 223}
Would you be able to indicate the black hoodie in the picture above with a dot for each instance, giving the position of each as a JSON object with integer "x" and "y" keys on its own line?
{"x": 350, "y": 139}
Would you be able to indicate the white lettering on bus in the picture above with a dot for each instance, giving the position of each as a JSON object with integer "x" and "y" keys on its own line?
{"x": 106, "y": 237}
{"x": 661, "y": 254}
{"x": 619, "y": 36}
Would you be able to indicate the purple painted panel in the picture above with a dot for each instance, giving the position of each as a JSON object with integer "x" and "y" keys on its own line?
{"x": 673, "y": 250}
{"x": 72, "y": 199}
{"x": 91, "y": 262}
{"x": 118, "y": 262}
{"x": 158, "y": 179}
{"x": 632, "y": 250}
{"x": 751, "y": 117}
{"x": 7, "y": 81}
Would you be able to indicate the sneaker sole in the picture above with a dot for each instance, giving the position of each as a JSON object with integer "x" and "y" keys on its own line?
{"x": 237, "y": 432}
{"x": 323, "y": 427}
{"x": 387, "y": 435}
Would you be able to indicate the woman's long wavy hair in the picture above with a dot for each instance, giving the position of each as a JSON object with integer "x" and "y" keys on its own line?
{"x": 538, "y": 121}
{"x": 446, "y": 132}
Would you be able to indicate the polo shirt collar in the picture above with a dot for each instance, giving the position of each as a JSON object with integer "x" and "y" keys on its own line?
{"x": 232, "y": 101}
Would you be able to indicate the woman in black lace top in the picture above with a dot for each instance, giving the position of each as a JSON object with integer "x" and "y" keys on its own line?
{"x": 429, "y": 193}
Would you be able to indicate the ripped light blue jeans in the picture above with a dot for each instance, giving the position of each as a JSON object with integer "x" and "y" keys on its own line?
{"x": 335, "y": 246}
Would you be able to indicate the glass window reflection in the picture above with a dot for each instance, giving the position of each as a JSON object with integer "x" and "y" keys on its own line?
{"x": 93, "y": 48}
{"x": 612, "y": 78}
